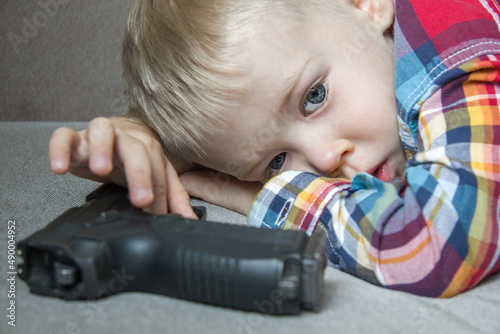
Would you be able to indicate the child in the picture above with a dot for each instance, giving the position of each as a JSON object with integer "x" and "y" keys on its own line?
{"x": 405, "y": 181}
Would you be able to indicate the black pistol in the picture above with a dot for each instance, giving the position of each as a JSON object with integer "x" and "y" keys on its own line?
{"x": 106, "y": 246}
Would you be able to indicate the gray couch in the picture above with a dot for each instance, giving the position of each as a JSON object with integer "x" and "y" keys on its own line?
{"x": 65, "y": 71}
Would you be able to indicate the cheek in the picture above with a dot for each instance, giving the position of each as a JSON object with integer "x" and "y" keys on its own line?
{"x": 379, "y": 131}
{"x": 388, "y": 132}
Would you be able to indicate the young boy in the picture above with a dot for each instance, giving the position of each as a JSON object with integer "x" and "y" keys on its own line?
{"x": 406, "y": 181}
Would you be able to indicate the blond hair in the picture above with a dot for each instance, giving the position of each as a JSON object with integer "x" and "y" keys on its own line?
{"x": 177, "y": 58}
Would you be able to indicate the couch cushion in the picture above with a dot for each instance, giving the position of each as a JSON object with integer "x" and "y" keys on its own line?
{"x": 32, "y": 196}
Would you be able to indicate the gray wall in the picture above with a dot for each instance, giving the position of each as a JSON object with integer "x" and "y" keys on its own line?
{"x": 60, "y": 59}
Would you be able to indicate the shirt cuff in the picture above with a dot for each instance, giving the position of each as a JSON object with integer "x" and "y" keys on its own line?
{"x": 294, "y": 200}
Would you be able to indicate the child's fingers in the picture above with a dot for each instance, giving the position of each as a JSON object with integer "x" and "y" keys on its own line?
{"x": 159, "y": 186}
{"x": 157, "y": 163}
{"x": 137, "y": 167}
{"x": 177, "y": 196}
{"x": 101, "y": 137}
{"x": 61, "y": 145}
{"x": 168, "y": 192}
{"x": 135, "y": 159}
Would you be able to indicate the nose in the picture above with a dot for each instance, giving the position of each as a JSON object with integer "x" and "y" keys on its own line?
{"x": 327, "y": 158}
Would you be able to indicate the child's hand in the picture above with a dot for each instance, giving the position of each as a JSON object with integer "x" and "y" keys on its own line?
{"x": 221, "y": 189}
{"x": 124, "y": 152}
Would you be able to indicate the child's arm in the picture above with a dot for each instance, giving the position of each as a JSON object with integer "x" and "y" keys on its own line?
{"x": 127, "y": 153}
{"x": 437, "y": 233}
{"x": 221, "y": 189}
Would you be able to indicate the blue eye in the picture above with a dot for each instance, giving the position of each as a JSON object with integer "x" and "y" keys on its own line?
{"x": 314, "y": 99}
{"x": 277, "y": 163}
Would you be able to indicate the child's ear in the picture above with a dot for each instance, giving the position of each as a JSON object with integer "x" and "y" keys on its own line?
{"x": 380, "y": 11}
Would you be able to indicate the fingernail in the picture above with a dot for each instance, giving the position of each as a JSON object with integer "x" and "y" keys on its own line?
{"x": 57, "y": 165}
{"x": 101, "y": 162}
{"x": 143, "y": 194}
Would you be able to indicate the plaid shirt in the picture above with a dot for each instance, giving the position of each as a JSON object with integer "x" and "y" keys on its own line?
{"x": 435, "y": 232}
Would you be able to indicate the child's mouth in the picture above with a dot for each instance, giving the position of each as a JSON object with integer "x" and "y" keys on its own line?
{"x": 383, "y": 172}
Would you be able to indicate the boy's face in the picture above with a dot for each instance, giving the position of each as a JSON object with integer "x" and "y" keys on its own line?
{"x": 319, "y": 97}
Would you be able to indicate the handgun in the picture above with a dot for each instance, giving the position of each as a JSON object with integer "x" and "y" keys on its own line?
{"x": 106, "y": 246}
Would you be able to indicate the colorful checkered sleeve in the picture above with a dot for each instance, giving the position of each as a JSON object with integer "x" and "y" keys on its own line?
{"x": 437, "y": 231}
